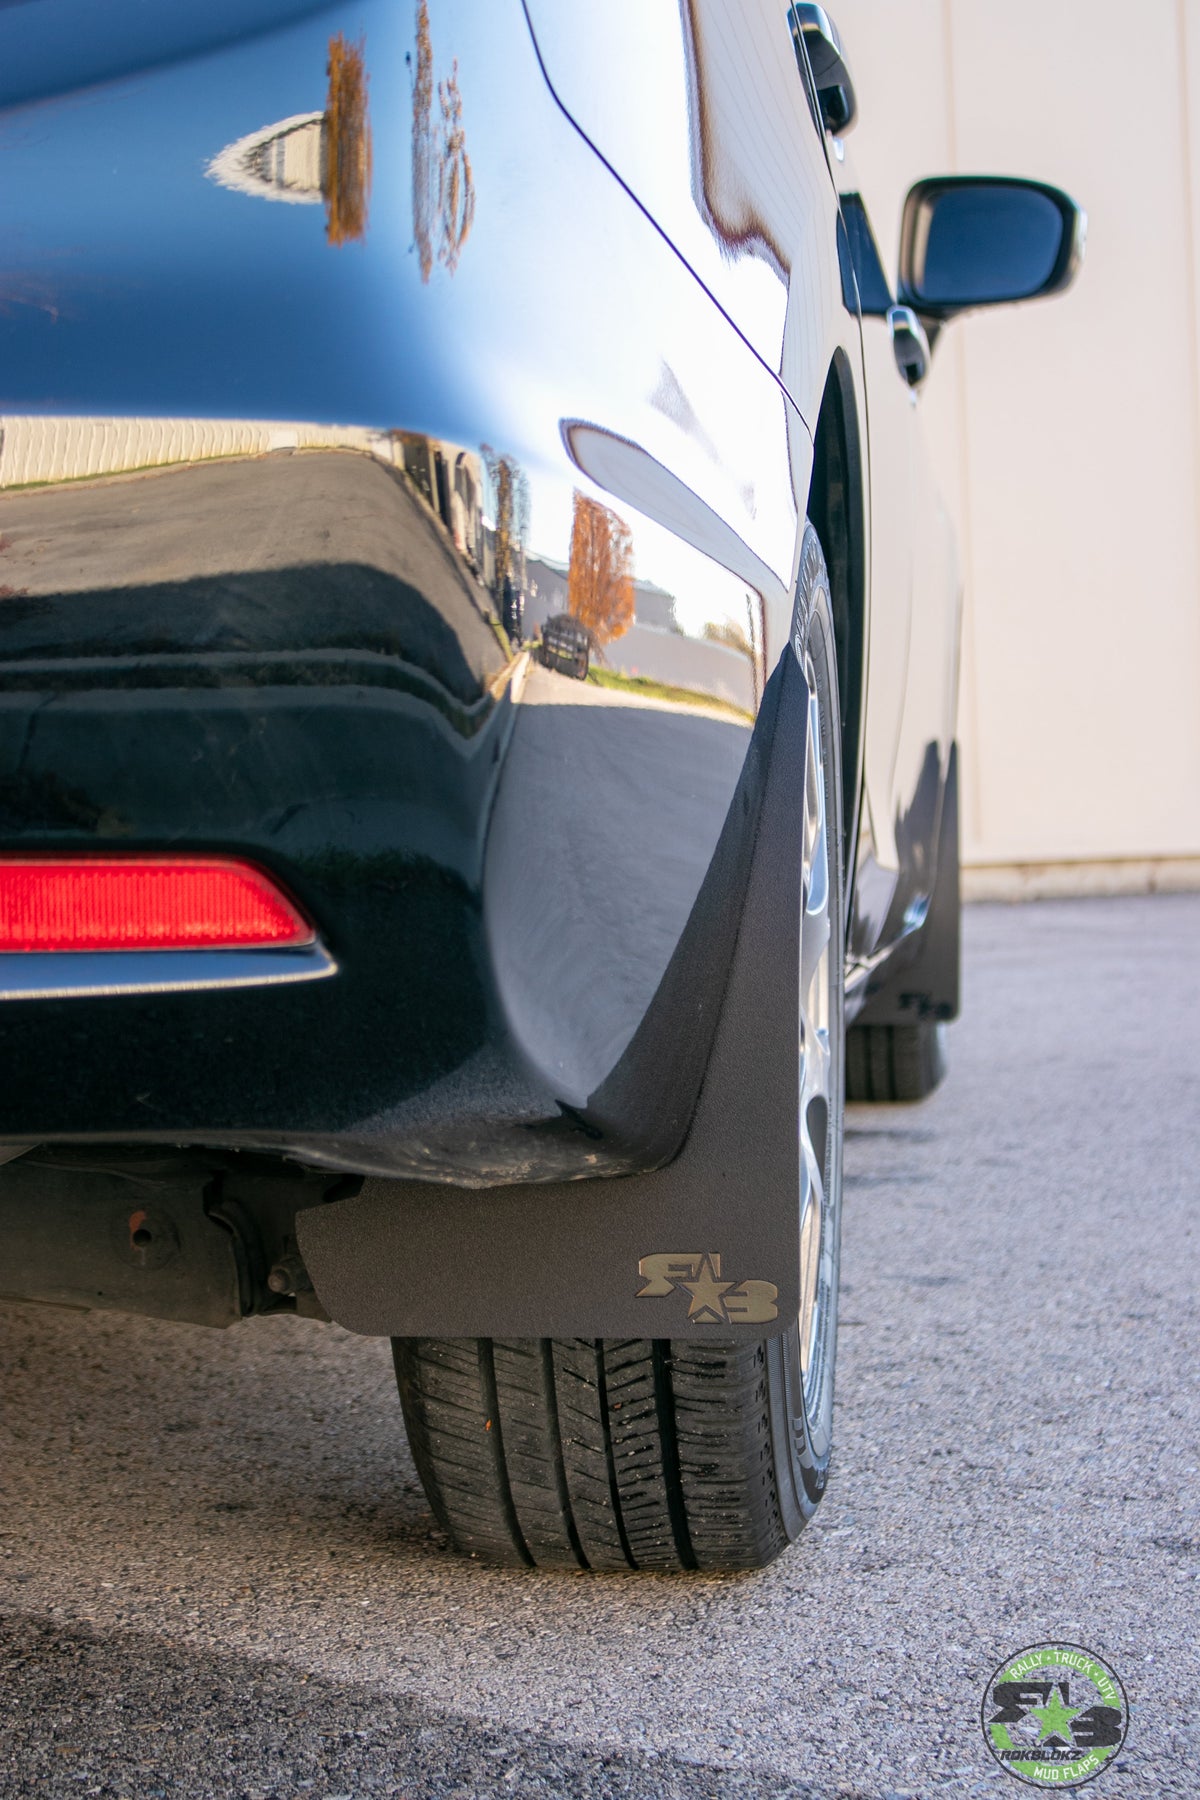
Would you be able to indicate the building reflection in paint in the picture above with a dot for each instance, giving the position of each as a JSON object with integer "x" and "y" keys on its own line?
{"x": 483, "y": 503}
{"x": 313, "y": 157}
{"x": 293, "y": 635}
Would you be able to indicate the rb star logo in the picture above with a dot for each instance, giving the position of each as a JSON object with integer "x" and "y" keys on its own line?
{"x": 1054, "y": 1715}
{"x": 712, "y": 1300}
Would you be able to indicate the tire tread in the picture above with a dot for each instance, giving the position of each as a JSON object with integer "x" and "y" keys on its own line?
{"x": 619, "y": 1454}
{"x": 894, "y": 1063}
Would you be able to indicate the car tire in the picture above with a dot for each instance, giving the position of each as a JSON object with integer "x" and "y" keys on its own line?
{"x": 684, "y": 1453}
{"x": 895, "y": 1062}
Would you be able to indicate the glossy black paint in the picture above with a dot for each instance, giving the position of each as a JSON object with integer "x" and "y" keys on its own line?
{"x": 864, "y": 279}
{"x": 378, "y": 1258}
{"x": 52, "y": 47}
{"x": 308, "y": 427}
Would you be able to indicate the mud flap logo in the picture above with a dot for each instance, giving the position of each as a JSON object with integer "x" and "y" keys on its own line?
{"x": 712, "y": 1300}
{"x": 1054, "y": 1715}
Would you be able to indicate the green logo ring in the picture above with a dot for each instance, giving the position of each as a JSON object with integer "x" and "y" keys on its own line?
{"x": 1033, "y": 1730}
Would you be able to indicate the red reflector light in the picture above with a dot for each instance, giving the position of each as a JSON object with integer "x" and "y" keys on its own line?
{"x": 143, "y": 903}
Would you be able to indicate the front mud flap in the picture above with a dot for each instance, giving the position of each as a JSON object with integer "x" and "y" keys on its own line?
{"x": 709, "y": 1243}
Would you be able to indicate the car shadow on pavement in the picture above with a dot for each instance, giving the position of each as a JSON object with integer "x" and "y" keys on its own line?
{"x": 85, "y": 1712}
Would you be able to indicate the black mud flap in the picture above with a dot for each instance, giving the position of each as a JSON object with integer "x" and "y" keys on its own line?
{"x": 921, "y": 979}
{"x": 710, "y": 1242}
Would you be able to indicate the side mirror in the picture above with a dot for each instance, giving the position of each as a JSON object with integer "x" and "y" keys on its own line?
{"x": 982, "y": 240}
{"x": 813, "y": 28}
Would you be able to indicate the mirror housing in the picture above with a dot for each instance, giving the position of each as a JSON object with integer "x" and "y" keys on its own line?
{"x": 813, "y": 28}
{"x": 984, "y": 240}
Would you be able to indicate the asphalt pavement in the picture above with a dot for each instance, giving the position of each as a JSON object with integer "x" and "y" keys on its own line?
{"x": 219, "y": 1577}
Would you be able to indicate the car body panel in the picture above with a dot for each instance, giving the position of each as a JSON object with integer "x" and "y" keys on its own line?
{"x": 325, "y": 342}
{"x": 703, "y": 112}
{"x": 912, "y": 658}
{"x": 254, "y": 520}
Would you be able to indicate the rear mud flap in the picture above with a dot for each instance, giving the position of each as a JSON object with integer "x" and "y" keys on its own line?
{"x": 709, "y": 1243}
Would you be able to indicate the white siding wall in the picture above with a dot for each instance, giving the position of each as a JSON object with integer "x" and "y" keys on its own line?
{"x": 1066, "y": 435}
{"x": 46, "y": 449}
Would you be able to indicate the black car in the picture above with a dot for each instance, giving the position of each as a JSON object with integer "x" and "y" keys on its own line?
{"x": 566, "y": 646}
{"x": 353, "y": 964}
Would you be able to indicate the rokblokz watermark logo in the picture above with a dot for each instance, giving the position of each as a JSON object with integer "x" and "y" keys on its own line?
{"x": 1054, "y": 1715}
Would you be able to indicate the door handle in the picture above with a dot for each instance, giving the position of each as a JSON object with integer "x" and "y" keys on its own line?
{"x": 813, "y": 28}
{"x": 910, "y": 346}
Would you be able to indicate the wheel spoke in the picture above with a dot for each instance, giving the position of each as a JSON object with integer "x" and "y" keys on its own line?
{"x": 817, "y": 944}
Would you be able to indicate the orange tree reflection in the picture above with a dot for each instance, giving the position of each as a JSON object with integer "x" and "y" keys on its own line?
{"x": 347, "y": 171}
{"x": 600, "y": 577}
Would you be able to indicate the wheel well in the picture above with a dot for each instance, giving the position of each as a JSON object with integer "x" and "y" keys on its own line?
{"x": 836, "y": 511}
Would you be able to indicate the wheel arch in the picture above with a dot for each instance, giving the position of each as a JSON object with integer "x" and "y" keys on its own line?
{"x": 837, "y": 511}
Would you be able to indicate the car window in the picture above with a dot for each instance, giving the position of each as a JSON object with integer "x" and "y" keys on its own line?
{"x": 874, "y": 289}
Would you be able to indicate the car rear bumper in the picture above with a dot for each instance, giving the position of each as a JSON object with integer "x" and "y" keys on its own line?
{"x": 224, "y": 630}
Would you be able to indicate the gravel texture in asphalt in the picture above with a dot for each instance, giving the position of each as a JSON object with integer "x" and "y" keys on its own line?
{"x": 219, "y": 1577}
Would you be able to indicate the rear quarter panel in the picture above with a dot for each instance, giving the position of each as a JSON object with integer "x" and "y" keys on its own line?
{"x": 273, "y": 444}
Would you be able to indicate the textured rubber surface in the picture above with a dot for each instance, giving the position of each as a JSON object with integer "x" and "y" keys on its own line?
{"x": 894, "y": 1062}
{"x": 578, "y": 1453}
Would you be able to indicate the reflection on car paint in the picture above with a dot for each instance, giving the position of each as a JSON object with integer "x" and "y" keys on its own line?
{"x": 443, "y": 185}
{"x": 292, "y": 496}
{"x": 313, "y": 157}
{"x": 254, "y": 599}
